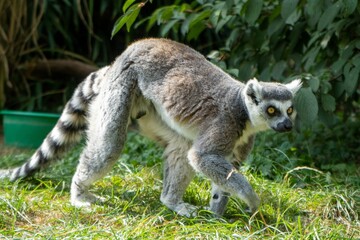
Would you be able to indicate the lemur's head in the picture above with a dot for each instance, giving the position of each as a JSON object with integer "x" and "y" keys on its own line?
{"x": 270, "y": 105}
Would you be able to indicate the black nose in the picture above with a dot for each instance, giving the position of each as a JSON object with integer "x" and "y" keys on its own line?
{"x": 284, "y": 126}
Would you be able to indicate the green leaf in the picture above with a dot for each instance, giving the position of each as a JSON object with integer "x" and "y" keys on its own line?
{"x": 310, "y": 57}
{"x": 127, "y": 4}
{"x": 312, "y": 7}
{"x": 199, "y": 17}
{"x": 349, "y": 6}
{"x": 233, "y": 37}
{"x": 265, "y": 74}
{"x": 192, "y": 20}
{"x": 215, "y": 16}
{"x": 169, "y": 25}
{"x": 314, "y": 83}
{"x": 253, "y": 10}
{"x": 328, "y": 102}
{"x": 278, "y": 70}
{"x": 214, "y": 54}
{"x": 306, "y": 105}
{"x": 338, "y": 89}
{"x": 167, "y": 13}
{"x": 221, "y": 23}
{"x": 338, "y": 65}
{"x": 161, "y": 15}
{"x": 234, "y": 72}
{"x": 195, "y": 31}
{"x": 347, "y": 52}
{"x": 275, "y": 26}
{"x": 339, "y": 26}
{"x": 185, "y": 27}
{"x": 245, "y": 71}
{"x": 328, "y": 118}
{"x": 355, "y": 60}
{"x": 326, "y": 86}
{"x": 229, "y": 4}
{"x": 288, "y": 7}
{"x": 315, "y": 38}
{"x": 293, "y": 18}
{"x": 128, "y": 18}
{"x": 351, "y": 79}
{"x": 152, "y": 20}
{"x": 325, "y": 40}
{"x": 328, "y": 16}
{"x": 118, "y": 25}
{"x": 132, "y": 17}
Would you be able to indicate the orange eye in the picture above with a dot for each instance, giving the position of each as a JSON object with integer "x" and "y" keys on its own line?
{"x": 290, "y": 110}
{"x": 271, "y": 110}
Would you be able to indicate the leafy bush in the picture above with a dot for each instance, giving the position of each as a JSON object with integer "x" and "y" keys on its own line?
{"x": 329, "y": 149}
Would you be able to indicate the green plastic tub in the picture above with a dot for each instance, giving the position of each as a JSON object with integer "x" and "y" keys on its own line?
{"x": 27, "y": 129}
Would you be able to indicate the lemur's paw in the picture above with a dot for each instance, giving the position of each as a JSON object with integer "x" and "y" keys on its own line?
{"x": 86, "y": 200}
{"x": 186, "y": 210}
{"x": 181, "y": 208}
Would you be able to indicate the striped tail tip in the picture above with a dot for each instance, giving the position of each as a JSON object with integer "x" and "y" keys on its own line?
{"x": 5, "y": 173}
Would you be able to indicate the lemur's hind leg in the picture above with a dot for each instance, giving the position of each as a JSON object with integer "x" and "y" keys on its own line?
{"x": 177, "y": 175}
{"x": 106, "y": 135}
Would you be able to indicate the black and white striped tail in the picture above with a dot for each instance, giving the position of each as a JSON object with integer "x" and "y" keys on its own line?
{"x": 67, "y": 131}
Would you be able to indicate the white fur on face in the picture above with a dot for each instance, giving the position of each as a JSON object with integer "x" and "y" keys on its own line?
{"x": 283, "y": 107}
{"x": 294, "y": 86}
{"x": 255, "y": 114}
{"x": 259, "y": 119}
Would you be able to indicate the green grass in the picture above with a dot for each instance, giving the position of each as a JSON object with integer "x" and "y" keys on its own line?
{"x": 301, "y": 203}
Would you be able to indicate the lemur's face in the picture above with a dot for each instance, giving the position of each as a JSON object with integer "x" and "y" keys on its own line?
{"x": 279, "y": 115}
{"x": 270, "y": 105}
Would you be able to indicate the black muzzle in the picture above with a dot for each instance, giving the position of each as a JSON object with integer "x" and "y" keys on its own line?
{"x": 284, "y": 126}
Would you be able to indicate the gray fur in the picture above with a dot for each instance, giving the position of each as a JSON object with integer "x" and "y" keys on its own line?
{"x": 204, "y": 118}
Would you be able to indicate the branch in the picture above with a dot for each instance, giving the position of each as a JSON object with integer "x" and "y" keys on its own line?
{"x": 58, "y": 68}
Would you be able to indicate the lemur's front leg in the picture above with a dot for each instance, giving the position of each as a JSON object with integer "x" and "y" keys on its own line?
{"x": 208, "y": 156}
{"x": 218, "y": 200}
{"x": 224, "y": 175}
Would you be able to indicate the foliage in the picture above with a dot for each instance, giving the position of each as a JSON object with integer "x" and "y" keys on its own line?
{"x": 78, "y": 30}
{"x": 332, "y": 150}
{"x": 39, "y": 208}
{"x": 17, "y": 35}
{"x": 130, "y": 15}
{"x": 273, "y": 40}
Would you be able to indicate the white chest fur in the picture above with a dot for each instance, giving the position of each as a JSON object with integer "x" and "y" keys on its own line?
{"x": 187, "y": 132}
{"x": 248, "y": 132}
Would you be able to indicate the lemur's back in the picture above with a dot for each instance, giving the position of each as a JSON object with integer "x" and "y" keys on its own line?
{"x": 160, "y": 59}
{"x": 179, "y": 78}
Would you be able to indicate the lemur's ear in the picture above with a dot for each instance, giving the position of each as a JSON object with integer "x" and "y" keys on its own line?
{"x": 294, "y": 86}
{"x": 253, "y": 90}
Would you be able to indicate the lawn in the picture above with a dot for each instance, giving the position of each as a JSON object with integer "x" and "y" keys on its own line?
{"x": 298, "y": 203}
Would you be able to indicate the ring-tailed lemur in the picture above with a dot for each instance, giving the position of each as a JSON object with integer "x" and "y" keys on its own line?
{"x": 205, "y": 119}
